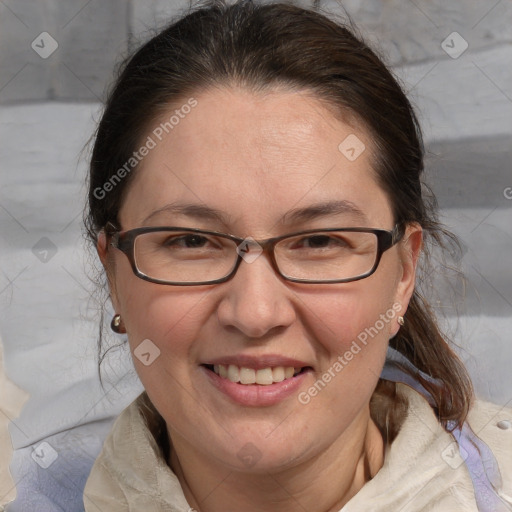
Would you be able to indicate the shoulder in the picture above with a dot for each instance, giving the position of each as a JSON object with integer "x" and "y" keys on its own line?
{"x": 423, "y": 470}
{"x": 105, "y": 486}
{"x": 492, "y": 423}
{"x": 130, "y": 439}
{"x": 131, "y": 472}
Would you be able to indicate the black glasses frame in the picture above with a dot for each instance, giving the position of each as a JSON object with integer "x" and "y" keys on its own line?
{"x": 125, "y": 242}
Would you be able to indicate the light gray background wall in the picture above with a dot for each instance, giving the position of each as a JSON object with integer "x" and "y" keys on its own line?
{"x": 49, "y": 103}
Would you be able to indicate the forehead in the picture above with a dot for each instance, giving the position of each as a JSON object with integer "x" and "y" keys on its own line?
{"x": 254, "y": 156}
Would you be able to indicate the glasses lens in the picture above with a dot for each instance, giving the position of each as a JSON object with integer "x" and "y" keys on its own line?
{"x": 184, "y": 256}
{"x": 327, "y": 255}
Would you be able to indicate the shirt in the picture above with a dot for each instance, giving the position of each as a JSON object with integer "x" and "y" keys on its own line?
{"x": 422, "y": 471}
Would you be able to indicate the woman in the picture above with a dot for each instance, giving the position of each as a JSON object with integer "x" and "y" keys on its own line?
{"x": 255, "y": 199}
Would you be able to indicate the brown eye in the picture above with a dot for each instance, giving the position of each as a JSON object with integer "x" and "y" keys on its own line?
{"x": 187, "y": 241}
{"x": 322, "y": 241}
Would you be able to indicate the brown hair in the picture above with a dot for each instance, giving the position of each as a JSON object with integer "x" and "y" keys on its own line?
{"x": 263, "y": 46}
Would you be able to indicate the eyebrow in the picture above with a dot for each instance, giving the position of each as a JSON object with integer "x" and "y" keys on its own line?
{"x": 294, "y": 216}
{"x": 197, "y": 211}
{"x": 325, "y": 209}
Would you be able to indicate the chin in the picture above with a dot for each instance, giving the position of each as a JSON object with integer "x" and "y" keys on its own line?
{"x": 260, "y": 454}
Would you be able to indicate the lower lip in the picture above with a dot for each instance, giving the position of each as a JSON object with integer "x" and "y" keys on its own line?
{"x": 256, "y": 395}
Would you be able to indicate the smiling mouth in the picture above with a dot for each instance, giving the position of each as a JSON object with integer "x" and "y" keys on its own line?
{"x": 263, "y": 376}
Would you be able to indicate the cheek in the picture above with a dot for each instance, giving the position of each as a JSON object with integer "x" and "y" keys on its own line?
{"x": 162, "y": 328}
{"x": 161, "y": 321}
{"x": 360, "y": 311}
{"x": 353, "y": 336}
{"x": 153, "y": 311}
{"x": 169, "y": 317}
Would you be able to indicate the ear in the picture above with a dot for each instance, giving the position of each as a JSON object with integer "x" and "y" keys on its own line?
{"x": 409, "y": 251}
{"x": 108, "y": 264}
{"x": 101, "y": 248}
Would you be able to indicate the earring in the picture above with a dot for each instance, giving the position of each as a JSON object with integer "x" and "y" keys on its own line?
{"x": 401, "y": 320}
{"x": 115, "y": 325}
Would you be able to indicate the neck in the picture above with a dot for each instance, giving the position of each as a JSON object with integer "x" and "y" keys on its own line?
{"x": 321, "y": 483}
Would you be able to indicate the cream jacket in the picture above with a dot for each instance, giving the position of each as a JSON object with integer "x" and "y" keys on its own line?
{"x": 422, "y": 471}
{"x": 12, "y": 400}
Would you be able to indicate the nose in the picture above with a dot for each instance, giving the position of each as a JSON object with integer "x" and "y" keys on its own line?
{"x": 256, "y": 300}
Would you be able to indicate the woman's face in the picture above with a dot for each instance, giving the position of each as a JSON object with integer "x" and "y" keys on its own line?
{"x": 257, "y": 159}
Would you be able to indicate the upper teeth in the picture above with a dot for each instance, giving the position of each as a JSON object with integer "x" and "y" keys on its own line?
{"x": 265, "y": 376}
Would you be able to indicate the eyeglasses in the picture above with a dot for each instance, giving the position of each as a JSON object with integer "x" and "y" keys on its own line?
{"x": 189, "y": 256}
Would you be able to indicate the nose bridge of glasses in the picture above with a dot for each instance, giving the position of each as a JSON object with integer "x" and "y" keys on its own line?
{"x": 250, "y": 249}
